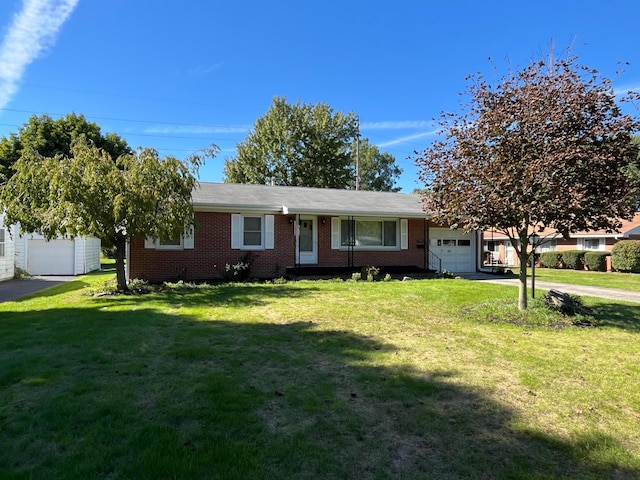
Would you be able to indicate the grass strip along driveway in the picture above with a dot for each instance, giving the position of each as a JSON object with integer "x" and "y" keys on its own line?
{"x": 439, "y": 379}
{"x": 622, "y": 281}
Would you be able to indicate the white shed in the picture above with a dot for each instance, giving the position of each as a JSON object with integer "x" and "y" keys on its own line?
{"x": 6, "y": 252}
{"x": 62, "y": 256}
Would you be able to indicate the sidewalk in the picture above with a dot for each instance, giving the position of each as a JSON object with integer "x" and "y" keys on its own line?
{"x": 11, "y": 290}
{"x": 585, "y": 291}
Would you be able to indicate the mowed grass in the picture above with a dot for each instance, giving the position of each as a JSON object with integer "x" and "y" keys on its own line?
{"x": 314, "y": 380}
{"x": 623, "y": 281}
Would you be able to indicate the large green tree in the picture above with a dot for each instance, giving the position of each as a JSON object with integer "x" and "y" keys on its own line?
{"x": 308, "y": 145}
{"x": 90, "y": 193}
{"x": 547, "y": 146}
{"x": 51, "y": 137}
{"x": 378, "y": 170}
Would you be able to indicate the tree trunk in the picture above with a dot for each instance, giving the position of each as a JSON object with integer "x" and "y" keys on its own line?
{"x": 121, "y": 245}
{"x": 522, "y": 293}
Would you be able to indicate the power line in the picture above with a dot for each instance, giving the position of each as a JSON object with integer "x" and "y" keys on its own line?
{"x": 122, "y": 119}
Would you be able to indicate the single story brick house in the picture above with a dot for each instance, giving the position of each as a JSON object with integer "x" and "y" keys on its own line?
{"x": 498, "y": 248}
{"x": 302, "y": 231}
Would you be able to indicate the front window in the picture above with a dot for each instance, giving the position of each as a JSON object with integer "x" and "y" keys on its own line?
{"x": 591, "y": 243}
{"x": 492, "y": 246}
{"x": 369, "y": 233}
{"x": 252, "y": 231}
{"x": 172, "y": 242}
{"x": 169, "y": 243}
{"x": 2, "y": 241}
{"x": 548, "y": 246}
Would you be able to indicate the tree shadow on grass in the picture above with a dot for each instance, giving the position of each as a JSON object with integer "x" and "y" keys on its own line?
{"x": 619, "y": 315}
{"x": 90, "y": 393}
{"x": 218, "y": 295}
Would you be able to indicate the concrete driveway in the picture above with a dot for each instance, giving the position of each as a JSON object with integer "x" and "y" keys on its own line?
{"x": 585, "y": 291}
{"x": 11, "y": 290}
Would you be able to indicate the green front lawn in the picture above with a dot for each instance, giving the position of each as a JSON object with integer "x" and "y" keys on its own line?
{"x": 624, "y": 281}
{"x": 315, "y": 380}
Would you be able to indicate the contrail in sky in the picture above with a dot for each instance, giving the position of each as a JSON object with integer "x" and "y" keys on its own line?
{"x": 32, "y": 30}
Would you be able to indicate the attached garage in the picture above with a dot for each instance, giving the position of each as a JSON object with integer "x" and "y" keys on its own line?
{"x": 76, "y": 256}
{"x": 455, "y": 249}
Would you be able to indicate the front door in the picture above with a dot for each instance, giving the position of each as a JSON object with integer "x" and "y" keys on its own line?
{"x": 307, "y": 251}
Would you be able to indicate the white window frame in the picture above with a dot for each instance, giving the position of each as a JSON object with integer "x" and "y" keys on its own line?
{"x": 238, "y": 231}
{"x": 186, "y": 243}
{"x": 547, "y": 246}
{"x": 496, "y": 246}
{"x": 598, "y": 239}
{"x": 401, "y": 234}
{"x": 170, "y": 246}
{"x": 243, "y": 232}
{"x": 3, "y": 241}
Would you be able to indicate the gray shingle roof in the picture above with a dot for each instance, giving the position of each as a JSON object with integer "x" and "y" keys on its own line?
{"x": 304, "y": 200}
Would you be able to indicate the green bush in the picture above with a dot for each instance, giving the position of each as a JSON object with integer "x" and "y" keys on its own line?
{"x": 550, "y": 259}
{"x": 625, "y": 256}
{"x": 573, "y": 259}
{"x": 596, "y": 261}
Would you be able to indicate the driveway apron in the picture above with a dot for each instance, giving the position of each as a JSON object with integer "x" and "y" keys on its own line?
{"x": 11, "y": 290}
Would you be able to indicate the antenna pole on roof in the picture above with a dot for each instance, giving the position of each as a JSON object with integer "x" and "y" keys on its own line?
{"x": 357, "y": 153}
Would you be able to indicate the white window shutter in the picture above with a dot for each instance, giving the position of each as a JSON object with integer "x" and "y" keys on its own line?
{"x": 335, "y": 233}
{"x": 187, "y": 241}
{"x": 269, "y": 232}
{"x": 149, "y": 243}
{"x": 236, "y": 231}
{"x": 404, "y": 234}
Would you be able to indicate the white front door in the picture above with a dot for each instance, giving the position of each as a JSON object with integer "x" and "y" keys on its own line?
{"x": 307, "y": 240}
{"x": 510, "y": 257}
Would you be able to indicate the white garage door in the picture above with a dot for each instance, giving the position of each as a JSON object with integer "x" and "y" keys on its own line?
{"x": 50, "y": 258}
{"x": 455, "y": 249}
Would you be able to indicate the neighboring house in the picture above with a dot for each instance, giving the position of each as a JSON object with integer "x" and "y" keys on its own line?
{"x": 498, "y": 248}
{"x": 302, "y": 231}
{"x": 61, "y": 256}
{"x": 6, "y": 252}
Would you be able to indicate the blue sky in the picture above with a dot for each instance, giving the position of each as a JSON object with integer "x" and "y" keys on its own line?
{"x": 180, "y": 75}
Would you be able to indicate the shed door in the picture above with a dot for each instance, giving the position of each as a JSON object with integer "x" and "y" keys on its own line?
{"x": 50, "y": 258}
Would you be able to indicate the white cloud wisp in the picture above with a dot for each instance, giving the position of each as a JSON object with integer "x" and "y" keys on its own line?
{"x": 407, "y": 139}
{"x": 396, "y": 125}
{"x": 197, "y": 129}
{"x": 32, "y": 31}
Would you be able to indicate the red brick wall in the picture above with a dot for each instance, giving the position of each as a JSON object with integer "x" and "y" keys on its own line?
{"x": 212, "y": 242}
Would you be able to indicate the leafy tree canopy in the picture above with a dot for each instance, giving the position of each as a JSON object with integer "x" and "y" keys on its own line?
{"x": 66, "y": 178}
{"x": 51, "y": 137}
{"x": 308, "y": 145}
{"x": 548, "y": 146}
{"x": 90, "y": 193}
{"x": 378, "y": 170}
